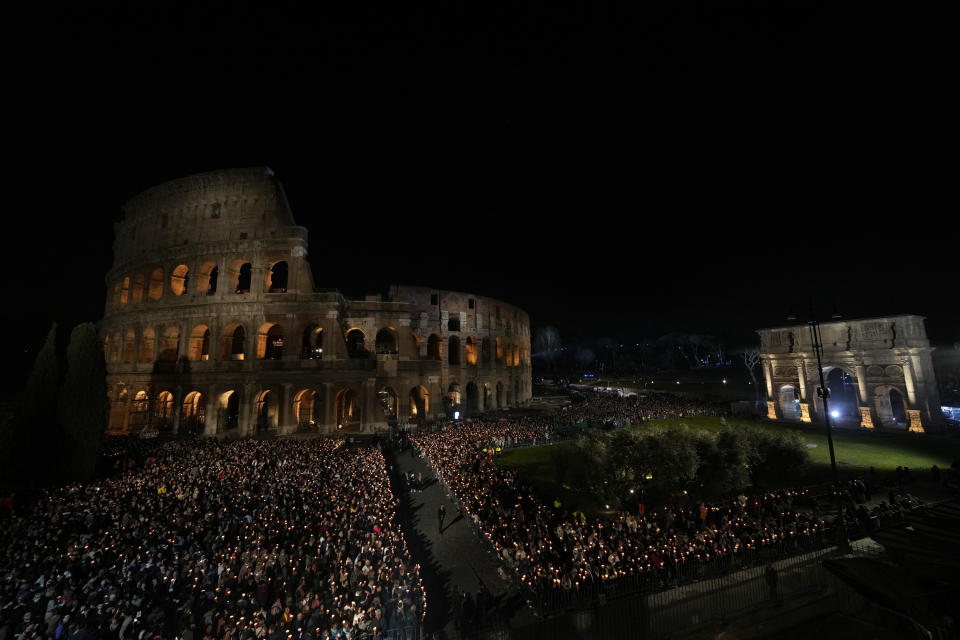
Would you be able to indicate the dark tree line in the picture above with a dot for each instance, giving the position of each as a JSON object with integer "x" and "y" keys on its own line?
{"x": 62, "y": 414}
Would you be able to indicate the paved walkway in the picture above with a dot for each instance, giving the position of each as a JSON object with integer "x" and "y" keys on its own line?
{"x": 452, "y": 557}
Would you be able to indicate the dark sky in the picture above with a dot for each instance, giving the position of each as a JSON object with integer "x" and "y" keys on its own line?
{"x": 608, "y": 168}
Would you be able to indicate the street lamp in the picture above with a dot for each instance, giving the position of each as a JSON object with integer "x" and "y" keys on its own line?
{"x": 823, "y": 392}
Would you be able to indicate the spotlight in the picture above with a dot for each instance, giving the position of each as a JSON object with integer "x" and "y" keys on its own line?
{"x": 835, "y": 413}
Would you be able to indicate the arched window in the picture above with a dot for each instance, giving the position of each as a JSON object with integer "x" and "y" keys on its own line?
{"x": 270, "y": 342}
{"x": 170, "y": 344}
{"x": 355, "y": 344}
{"x": 312, "y": 347}
{"x": 200, "y": 343}
{"x": 229, "y": 410}
{"x": 233, "y": 342}
{"x": 470, "y": 350}
{"x": 138, "y": 281}
{"x": 244, "y": 271}
{"x": 454, "y": 353}
{"x": 419, "y": 402}
{"x": 386, "y": 341}
{"x": 348, "y": 409}
{"x": 179, "y": 280}
{"x": 140, "y": 410}
{"x": 124, "y": 291}
{"x": 129, "y": 346}
{"x": 156, "y": 284}
{"x": 303, "y": 409}
{"x": 207, "y": 282}
{"x": 192, "y": 416}
{"x": 434, "y": 347}
{"x": 148, "y": 340}
{"x": 163, "y": 411}
{"x": 277, "y": 278}
{"x": 266, "y": 412}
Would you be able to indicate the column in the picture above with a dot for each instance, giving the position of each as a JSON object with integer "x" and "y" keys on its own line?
{"x": 211, "y": 414}
{"x": 177, "y": 407}
{"x": 802, "y": 376}
{"x": 284, "y": 419}
{"x": 768, "y": 375}
{"x": 908, "y": 378}
{"x": 329, "y": 408}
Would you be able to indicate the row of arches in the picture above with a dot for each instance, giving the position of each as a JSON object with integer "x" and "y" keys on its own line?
{"x": 888, "y": 401}
{"x": 206, "y": 281}
{"x": 164, "y": 344}
{"x": 158, "y": 412}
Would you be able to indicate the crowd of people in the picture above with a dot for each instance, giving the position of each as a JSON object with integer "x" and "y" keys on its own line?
{"x": 548, "y": 548}
{"x": 207, "y": 540}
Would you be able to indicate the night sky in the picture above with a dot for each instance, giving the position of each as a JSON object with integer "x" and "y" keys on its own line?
{"x": 701, "y": 169}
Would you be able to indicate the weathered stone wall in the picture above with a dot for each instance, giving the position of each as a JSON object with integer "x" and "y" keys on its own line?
{"x": 882, "y": 356}
{"x": 173, "y": 349}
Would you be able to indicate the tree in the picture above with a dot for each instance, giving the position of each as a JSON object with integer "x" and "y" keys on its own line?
{"x": 773, "y": 454}
{"x": 83, "y": 401}
{"x": 547, "y": 343}
{"x": 28, "y": 439}
{"x": 751, "y": 358}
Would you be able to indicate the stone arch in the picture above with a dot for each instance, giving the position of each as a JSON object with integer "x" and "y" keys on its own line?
{"x": 129, "y": 346}
{"x": 124, "y": 291}
{"x": 229, "y": 405}
{"x": 453, "y": 356}
{"x": 265, "y": 411}
{"x": 192, "y": 414}
{"x": 890, "y": 403}
{"x": 348, "y": 412}
{"x": 419, "y": 402}
{"x": 386, "y": 341}
{"x": 389, "y": 403}
{"x": 241, "y": 271}
{"x": 312, "y": 344}
{"x": 233, "y": 342}
{"x": 277, "y": 275}
{"x": 155, "y": 288}
{"x": 140, "y": 410}
{"x": 473, "y": 399}
{"x": 434, "y": 347}
{"x": 209, "y": 274}
{"x": 470, "y": 351}
{"x": 179, "y": 279}
{"x": 163, "y": 412}
{"x": 270, "y": 341}
{"x": 844, "y": 397}
{"x": 199, "y": 343}
{"x": 356, "y": 344}
{"x": 485, "y": 354}
{"x": 148, "y": 341}
{"x": 170, "y": 344}
{"x": 789, "y": 399}
{"x": 115, "y": 345}
{"x": 305, "y": 409}
{"x": 138, "y": 286}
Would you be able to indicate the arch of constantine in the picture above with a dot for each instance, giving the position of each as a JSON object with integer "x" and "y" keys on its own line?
{"x": 879, "y": 370}
{"x": 213, "y": 325}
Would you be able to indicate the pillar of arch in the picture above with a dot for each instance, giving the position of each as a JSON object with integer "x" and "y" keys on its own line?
{"x": 265, "y": 412}
{"x": 208, "y": 278}
{"x": 389, "y": 403}
{"x": 124, "y": 291}
{"x": 170, "y": 344}
{"x": 228, "y": 406}
{"x": 241, "y": 273}
{"x": 148, "y": 343}
{"x": 155, "y": 288}
{"x": 470, "y": 351}
{"x": 419, "y": 403}
{"x": 129, "y": 346}
{"x": 473, "y": 399}
{"x": 312, "y": 343}
{"x": 454, "y": 351}
{"x": 138, "y": 286}
{"x": 500, "y": 396}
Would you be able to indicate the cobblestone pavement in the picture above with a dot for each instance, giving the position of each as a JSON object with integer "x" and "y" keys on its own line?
{"x": 453, "y": 557}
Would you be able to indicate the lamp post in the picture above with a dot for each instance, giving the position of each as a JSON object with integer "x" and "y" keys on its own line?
{"x": 823, "y": 392}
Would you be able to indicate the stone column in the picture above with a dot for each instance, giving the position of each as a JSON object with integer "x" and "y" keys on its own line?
{"x": 285, "y": 415}
{"x": 177, "y": 407}
{"x": 768, "y": 375}
{"x": 329, "y": 408}
{"x": 373, "y": 418}
{"x": 916, "y": 426}
{"x": 802, "y": 377}
{"x": 211, "y": 414}
{"x": 248, "y": 415}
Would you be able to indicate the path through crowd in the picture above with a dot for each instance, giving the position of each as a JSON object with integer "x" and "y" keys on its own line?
{"x": 453, "y": 560}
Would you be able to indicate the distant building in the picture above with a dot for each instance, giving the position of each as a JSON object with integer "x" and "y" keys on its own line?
{"x": 213, "y": 325}
{"x": 879, "y": 372}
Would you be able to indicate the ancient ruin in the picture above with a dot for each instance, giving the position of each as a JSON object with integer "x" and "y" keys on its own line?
{"x": 879, "y": 371}
{"x": 213, "y": 325}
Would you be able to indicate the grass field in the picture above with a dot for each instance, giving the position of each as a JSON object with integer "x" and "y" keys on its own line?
{"x": 856, "y": 452}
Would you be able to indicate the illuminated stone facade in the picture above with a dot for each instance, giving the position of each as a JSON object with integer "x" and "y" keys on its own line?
{"x": 213, "y": 325}
{"x": 886, "y": 363}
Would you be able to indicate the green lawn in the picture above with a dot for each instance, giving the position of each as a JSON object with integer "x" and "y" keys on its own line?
{"x": 856, "y": 452}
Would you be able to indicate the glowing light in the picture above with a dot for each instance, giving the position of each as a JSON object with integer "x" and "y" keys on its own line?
{"x": 835, "y": 413}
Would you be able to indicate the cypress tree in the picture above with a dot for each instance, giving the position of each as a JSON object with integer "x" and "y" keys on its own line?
{"x": 83, "y": 401}
{"x": 26, "y": 445}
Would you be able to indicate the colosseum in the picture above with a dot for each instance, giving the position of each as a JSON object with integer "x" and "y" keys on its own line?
{"x": 213, "y": 326}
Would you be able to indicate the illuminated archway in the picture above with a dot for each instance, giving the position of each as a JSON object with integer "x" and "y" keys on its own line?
{"x": 419, "y": 403}
{"x": 265, "y": 411}
{"x": 304, "y": 409}
{"x": 434, "y": 347}
{"x": 790, "y": 402}
{"x": 155, "y": 290}
{"x": 207, "y": 282}
{"x": 386, "y": 341}
{"x": 312, "y": 346}
{"x": 199, "y": 343}
{"x": 163, "y": 412}
{"x": 844, "y": 398}
{"x": 470, "y": 351}
{"x": 229, "y": 405}
{"x": 891, "y": 407}
{"x": 277, "y": 276}
{"x": 356, "y": 344}
{"x": 192, "y": 415}
{"x": 348, "y": 410}
{"x": 140, "y": 411}
{"x": 387, "y": 399}
{"x": 270, "y": 341}
{"x": 179, "y": 279}
{"x": 138, "y": 286}
{"x": 233, "y": 342}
